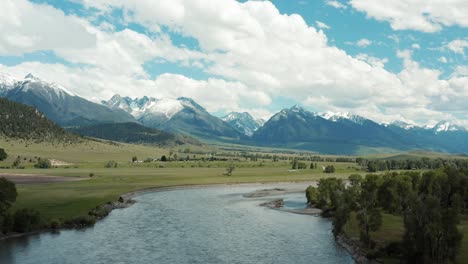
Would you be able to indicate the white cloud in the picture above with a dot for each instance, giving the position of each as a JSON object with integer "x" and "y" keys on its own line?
{"x": 363, "y": 42}
{"x": 374, "y": 61}
{"x": 458, "y": 46}
{"x": 426, "y": 16}
{"x": 263, "y": 53}
{"x": 28, "y": 27}
{"x": 322, "y": 25}
{"x": 335, "y": 4}
{"x": 415, "y": 46}
{"x": 443, "y": 59}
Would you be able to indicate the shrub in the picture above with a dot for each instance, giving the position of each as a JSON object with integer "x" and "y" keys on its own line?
{"x": 26, "y": 220}
{"x": 55, "y": 224}
{"x": 81, "y": 221}
{"x": 329, "y": 169}
{"x": 111, "y": 164}
{"x": 3, "y": 154}
{"x": 43, "y": 164}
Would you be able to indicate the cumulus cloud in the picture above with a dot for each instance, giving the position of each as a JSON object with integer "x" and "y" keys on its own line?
{"x": 256, "y": 52}
{"x": 363, "y": 42}
{"x": 415, "y": 46}
{"x": 458, "y": 46}
{"x": 335, "y": 4}
{"x": 322, "y": 25}
{"x": 426, "y": 16}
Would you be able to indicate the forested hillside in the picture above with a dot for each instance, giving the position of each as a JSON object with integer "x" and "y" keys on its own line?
{"x": 24, "y": 122}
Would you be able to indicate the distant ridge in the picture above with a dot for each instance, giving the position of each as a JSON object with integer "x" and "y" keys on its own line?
{"x": 133, "y": 133}
{"x": 60, "y": 105}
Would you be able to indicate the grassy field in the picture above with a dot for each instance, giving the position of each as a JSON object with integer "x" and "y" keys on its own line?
{"x": 71, "y": 199}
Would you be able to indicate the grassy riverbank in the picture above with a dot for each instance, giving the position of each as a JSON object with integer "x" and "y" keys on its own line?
{"x": 70, "y": 199}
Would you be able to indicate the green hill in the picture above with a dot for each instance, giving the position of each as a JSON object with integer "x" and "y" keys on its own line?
{"x": 133, "y": 133}
{"x": 20, "y": 121}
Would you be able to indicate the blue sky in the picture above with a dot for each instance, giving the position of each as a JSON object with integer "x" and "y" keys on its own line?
{"x": 244, "y": 56}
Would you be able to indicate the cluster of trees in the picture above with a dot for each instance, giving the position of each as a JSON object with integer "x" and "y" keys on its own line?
{"x": 25, "y": 122}
{"x": 411, "y": 164}
{"x": 22, "y": 220}
{"x": 430, "y": 204}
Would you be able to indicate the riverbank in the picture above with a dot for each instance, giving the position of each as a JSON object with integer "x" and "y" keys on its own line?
{"x": 126, "y": 199}
{"x": 352, "y": 247}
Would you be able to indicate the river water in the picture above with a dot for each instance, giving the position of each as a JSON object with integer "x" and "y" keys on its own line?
{"x": 206, "y": 225}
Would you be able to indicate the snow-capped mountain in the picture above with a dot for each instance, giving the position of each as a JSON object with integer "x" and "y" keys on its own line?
{"x": 6, "y": 83}
{"x": 340, "y": 116}
{"x": 60, "y": 105}
{"x": 446, "y": 126}
{"x": 401, "y": 124}
{"x": 243, "y": 122}
{"x": 182, "y": 115}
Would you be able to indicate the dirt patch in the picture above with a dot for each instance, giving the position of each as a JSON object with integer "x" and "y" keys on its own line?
{"x": 37, "y": 178}
{"x": 55, "y": 162}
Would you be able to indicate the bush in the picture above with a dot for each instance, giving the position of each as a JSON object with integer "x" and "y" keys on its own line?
{"x": 111, "y": 164}
{"x": 81, "y": 221}
{"x": 55, "y": 224}
{"x": 3, "y": 154}
{"x": 6, "y": 223}
{"x": 43, "y": 164}
{"x": 329, "y": 169}
{"x": 26, "y": 220}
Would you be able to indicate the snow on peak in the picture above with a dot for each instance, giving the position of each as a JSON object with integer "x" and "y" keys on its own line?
{"x": 7, "y": 80}
{"x": 33, "y": 83}
{"x": 402, "y": 124}
{"x": 243, "y": 122}
{"x": 167, "y": 107}
{"x": 446, "y": 126}
{"x": 336, "y": 116}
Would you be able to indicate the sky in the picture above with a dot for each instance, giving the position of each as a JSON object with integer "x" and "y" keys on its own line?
{"x": 385, "y": 60}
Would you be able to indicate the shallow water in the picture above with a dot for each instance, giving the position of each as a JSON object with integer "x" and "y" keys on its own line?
{"x": 208, "y": 225}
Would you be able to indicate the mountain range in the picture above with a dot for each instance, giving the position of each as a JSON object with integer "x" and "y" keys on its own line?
{"x": 181, "y": 115}
{"x": 243, "y": 122}
{"x": 295, "y": 127}
{"x": 58, "y": 104}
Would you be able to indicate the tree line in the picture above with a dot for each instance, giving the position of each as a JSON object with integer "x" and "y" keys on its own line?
{"x": 410, "y": 164}
{"x": 430, "y": 204}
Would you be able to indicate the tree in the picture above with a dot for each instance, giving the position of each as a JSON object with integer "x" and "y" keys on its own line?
{"x": 43, "y": 164}
{"x": 294, "y": 164}
{"x": 368, "y": 213}
{"x": 111, "y": 164}
{"x": 26, "y": 220}
{"x": 134, "y": 159}
{"x": 8, "y": 196}
{"x": 312, "y": 195}
{"x": 17, "y": 162}
{"x": 329, "y": 169}
{"x": 3, "y": 154}
{"x": 163, "y": 158}
{"x": 230, "y": 169}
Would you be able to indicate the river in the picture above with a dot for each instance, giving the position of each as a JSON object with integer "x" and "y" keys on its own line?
{"x": 202, "y": 225}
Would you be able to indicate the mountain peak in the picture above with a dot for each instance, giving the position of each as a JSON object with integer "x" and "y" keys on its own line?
{"x": 447, "y": 126}
{"x": 402, "y": 124}
{"x": 297, "y": 108}
{"x": 31, "y": 76}
{"x": 337, "y": 116}
{"x": 243, "y": 122}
